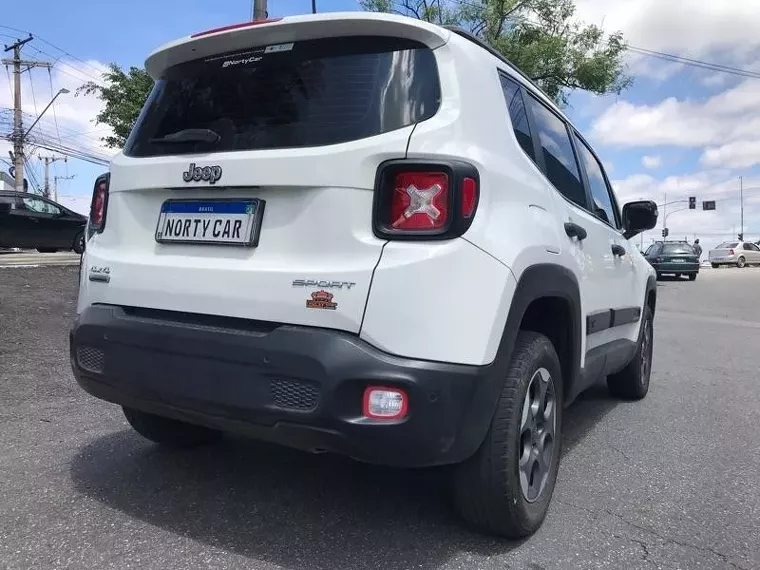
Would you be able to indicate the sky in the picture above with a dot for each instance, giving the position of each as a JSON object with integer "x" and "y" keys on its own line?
{"x": 679, "y": 131}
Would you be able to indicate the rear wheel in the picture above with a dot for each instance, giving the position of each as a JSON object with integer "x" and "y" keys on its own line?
{"x": 692, "y": 276}
{"x": 741, "y": 262}
{"x": 506, "y": 487}
{"x": 169, "y": 432}
{"x": 714, "y": 265}
{"x": 632, "y": 382}
{"x": 78, "y": 246}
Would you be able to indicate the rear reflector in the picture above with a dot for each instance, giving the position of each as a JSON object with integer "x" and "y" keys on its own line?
{"x": 236, "y": 27}
{"x": 382, "y": 403}
{"x": 469, "y": 197}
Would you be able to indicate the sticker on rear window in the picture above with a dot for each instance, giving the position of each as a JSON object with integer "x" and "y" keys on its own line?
{"x": 279, "y": 47}
{"x": 241, "y": 61}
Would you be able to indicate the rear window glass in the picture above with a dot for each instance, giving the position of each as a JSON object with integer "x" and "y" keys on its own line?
{"x": 308, "y": 93}
{"x": 728, "y": 245}
{"x": 676, "y": 248}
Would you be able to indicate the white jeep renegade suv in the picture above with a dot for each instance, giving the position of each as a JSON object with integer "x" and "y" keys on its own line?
{"x": 368, "y": 235}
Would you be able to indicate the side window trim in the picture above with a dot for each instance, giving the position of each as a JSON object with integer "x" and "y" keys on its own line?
{"x": 540, "y": 151}
{"x": 584, "y": 175}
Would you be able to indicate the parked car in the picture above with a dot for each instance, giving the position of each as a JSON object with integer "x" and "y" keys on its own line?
{"x": 673, "y": 258}
{"x": 368, "y": 235}
{"x": 29, "y": 221}
{"x": 738, "y": 253}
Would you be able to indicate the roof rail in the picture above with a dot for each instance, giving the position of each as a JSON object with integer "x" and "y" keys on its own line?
{"x": 490, "y": 49}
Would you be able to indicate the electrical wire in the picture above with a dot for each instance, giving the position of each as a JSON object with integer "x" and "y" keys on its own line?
{"x": 52, "y": 96}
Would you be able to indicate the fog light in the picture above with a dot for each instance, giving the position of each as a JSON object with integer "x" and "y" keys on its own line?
{"x": 382, "y": 403}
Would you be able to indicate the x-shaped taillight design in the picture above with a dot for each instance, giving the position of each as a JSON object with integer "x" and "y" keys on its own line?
{"x": 421, "y": 201}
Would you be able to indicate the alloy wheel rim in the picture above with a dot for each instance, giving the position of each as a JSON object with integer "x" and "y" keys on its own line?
{"x": 538, "y": 428}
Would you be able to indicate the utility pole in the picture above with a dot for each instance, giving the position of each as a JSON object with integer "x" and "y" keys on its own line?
{"x": 48, "y": 161}
{"x": 260, "y": 10}
{"x": 18, "y": 128}
{"x": 741, "y": 202}
{"x": 55, "y": 184}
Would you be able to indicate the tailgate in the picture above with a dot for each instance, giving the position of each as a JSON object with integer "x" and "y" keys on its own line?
{"x": 246, "y": 186}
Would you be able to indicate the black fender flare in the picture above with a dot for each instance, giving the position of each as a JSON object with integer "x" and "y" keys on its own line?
{"x": 535, "y": 282}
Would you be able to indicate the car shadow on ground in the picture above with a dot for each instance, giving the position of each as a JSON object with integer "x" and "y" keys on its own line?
{"x": 293, "y": 509}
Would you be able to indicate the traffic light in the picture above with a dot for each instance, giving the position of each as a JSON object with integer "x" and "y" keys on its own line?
{"x": 708, "y": 205}
{"x": 692, "y": 202}
{"x": 665, "y": 232}
{"x": 741, "y": 237}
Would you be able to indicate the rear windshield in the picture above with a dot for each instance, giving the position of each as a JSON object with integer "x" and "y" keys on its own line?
{"x": 301, "y": 94}
{"x": 677, "y": 248}
{"x": 728, "y": 245}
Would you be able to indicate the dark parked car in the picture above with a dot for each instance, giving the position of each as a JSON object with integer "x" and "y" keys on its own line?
{"x": 675, "y": 258}
{"x": 33, "y": 222}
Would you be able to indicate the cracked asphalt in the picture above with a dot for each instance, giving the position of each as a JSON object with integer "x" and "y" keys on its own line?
{"x": 671, "y": 482}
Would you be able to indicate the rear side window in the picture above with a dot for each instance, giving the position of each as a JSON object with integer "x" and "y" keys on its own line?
{"x": 516, "y": 107}
{"x": 728, "y": 245}
{"x": 304, "y": 94}
{"x": 559, "y": 158}
{"x": 603, "y": 206}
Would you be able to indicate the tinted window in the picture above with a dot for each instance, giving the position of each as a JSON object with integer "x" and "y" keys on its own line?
{"x": 37, "y": 205}
{"x": 516, "y": 107}
{"x": 561, "y": 167}
{"x": 600, "y": 192}
{"x": 310, "y": 93}
{"x": 728, "y": 245}
{"x": 677, "y": 249}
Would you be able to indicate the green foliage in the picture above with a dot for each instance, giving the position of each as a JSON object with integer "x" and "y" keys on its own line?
{"x": 123, "y": 95}
{"x": 541, "y": 37}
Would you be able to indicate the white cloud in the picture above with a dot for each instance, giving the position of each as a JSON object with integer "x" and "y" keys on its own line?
{"x": 726, "y": 117}
{"x": 651, "y": 162}
{"x": 738, "y": 154}
{"x": 695, "y": 28}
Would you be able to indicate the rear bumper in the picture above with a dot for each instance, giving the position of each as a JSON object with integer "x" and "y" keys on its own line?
{"x": 297, "y": 386}
{"x": 684, "y": 268}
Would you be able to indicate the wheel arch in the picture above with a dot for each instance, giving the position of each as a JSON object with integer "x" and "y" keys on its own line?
{"x": 541, "y": 287}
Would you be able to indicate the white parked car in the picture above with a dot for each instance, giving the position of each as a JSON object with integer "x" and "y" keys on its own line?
{"x": 738, "y": 253}
{"x": 368, "y": 235}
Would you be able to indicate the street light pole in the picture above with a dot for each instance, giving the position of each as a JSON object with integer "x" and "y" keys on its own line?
{"x": 741, "y": 202}
{"x": 61, "y": 91}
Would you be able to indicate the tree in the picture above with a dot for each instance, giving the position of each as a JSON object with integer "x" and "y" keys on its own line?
{"x": 541, "y": 37}
{"x": 123, "y": 95}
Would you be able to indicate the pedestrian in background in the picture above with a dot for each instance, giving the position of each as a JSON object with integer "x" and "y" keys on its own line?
{"x": 698, "y": 250}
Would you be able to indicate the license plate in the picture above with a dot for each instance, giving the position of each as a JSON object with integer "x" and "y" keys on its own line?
{"x": 213, "y": 222}
{"x": 678, "y": 260}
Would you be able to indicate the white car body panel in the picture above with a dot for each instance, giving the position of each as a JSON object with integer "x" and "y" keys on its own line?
{"x": 445, "y": 301}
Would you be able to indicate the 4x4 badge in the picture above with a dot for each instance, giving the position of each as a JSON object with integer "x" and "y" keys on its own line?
{"x": 208, "y": 174}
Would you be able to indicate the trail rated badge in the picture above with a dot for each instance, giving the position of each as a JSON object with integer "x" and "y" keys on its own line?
{"x": 321, "y": 300}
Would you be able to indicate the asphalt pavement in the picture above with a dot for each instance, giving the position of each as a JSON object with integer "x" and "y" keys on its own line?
{"x": 671, "y": 482}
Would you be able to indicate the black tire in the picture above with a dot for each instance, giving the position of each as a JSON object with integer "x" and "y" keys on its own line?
{"x": 487, "y": 487}
{"x": 692, "y": 277}
{"x": 169, "y": 432}
{"x": 741, "y": 262}
{"x": 659, "y": 276}
{"x": 78, "y": 245}
{"x": 632, "y": 382}
{"x": 715, "y": 265}
{"x": 46, "y": 250}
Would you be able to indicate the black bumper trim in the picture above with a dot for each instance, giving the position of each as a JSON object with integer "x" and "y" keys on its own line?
{"x": 297, "y": 386}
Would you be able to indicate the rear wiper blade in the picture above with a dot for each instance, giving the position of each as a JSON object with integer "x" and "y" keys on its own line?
{"x": 189, "y": 135}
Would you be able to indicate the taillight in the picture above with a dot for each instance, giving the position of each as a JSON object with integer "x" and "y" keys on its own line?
{"x": 730, "y": 252}
{"x": 99, "y": 205}
{"x": 430, "y": 200}
{"x": 658, "y": 260}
